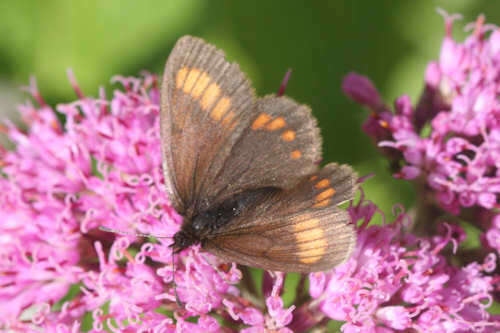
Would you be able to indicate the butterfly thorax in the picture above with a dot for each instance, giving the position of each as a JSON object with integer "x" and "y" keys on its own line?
{"x": 210, "y": 222}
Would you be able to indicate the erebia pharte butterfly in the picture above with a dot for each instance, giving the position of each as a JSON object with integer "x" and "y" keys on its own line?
{"x": 242, "y": 170}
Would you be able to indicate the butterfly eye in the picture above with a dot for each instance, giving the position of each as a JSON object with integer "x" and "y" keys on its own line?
{"x": 197, "y": 226}
{"x": 198, "y": 223}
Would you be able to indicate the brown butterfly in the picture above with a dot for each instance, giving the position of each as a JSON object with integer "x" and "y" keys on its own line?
{"x": 241, "y": 170}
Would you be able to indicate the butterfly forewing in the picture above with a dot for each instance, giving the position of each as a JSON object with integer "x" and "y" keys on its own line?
{"x": 219, "y": 140}
{"x": 298, "y": 230}
{"x": 206, "y": 103}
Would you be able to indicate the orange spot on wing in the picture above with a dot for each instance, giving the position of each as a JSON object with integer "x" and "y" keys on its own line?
{"x": 310, "y": 239}
{"x": 315, "y": 253}
{"x": 276, "y": 124}
{"x": 302, "y": 225}
{"x": 261, "y": 120}
{"x": 210, "y": 96}
{"x": 220, "y": 108}
{"x": 295, "y": 154}
{"x": 288, "y": 135}
{"x": 323, "y": 203}
{"x": 181, "y": 77}
{"x": 200, "y": 86}
{"x": 310, "y": 235}
{"x": 322, "y": 183}
{"x": 190, "y": 81}
{"x": 325, "y": 194}
{"x": 227, "y": 119}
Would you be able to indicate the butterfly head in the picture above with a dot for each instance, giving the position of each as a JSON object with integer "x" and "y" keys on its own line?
{"x": 183, "y": 239}
{"x": 203, "y": 225}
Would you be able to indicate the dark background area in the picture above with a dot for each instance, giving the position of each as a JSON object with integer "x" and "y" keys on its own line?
{"x": 389, "y": 41}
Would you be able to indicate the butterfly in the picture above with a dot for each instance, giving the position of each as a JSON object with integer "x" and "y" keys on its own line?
{"x": 242, "y": 170}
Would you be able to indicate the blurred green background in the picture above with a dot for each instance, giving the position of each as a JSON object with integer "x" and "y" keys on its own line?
{"x": 390, "y": 41}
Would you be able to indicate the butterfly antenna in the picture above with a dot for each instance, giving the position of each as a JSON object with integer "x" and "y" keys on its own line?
{"x": 177, "y": 299}
{"x": 121, "y": 232}
{"x": 285, "y": 82}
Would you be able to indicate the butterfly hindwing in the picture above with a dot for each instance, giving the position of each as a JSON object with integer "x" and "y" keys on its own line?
{"x": 279, "y": 147}
{"x": 296, "y": 230}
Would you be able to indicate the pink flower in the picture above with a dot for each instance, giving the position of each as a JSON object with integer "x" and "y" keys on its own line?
{"x": 103, "y": 168}
{"x": 448, "y": 143}
{"x": 460, "y": 103}
{"x": 362, "y": 90}
{"x": 395, "y": 280}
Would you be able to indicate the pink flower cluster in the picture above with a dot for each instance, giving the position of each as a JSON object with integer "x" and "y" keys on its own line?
{"x": 451, "y": 138}
{"x": 396, "y": 281}
{"x": 103, "y": 168}
{"x": 448, "y": 145}
{"x": 97, "y": 162}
